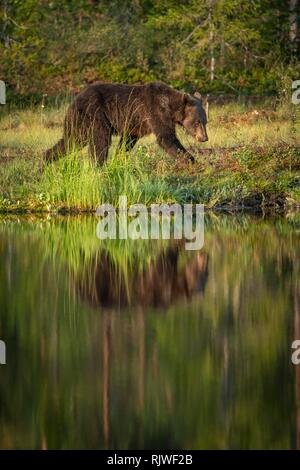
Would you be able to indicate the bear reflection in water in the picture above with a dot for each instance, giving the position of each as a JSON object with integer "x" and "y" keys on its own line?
{"x": 166, "y": 280}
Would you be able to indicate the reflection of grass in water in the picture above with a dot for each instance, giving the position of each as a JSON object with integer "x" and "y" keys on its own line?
{"x": 72, "y": 241}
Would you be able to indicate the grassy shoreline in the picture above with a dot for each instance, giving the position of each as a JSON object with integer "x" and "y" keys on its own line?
{"x": 251, "y": 163}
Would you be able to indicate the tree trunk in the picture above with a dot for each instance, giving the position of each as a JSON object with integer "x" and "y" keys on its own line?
{"x": 4, "y": 33}
{"x": 211, "y": 41}
{"x": 294, "y": 25}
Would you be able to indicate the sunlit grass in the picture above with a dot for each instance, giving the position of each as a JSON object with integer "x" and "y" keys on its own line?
{"x": 147, "y": 174}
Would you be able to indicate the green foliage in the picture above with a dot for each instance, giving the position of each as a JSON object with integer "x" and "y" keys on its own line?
{"x": 51, "y": 47}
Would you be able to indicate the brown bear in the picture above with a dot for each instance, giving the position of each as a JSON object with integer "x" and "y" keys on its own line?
{"x": 131, "y": 111}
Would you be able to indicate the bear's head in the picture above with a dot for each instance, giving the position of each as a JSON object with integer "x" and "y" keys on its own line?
{"x": 195, "y": 119}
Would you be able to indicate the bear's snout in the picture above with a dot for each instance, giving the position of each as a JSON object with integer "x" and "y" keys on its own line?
{"x": 202, "y": 138}
{"x": 201, "y": 134}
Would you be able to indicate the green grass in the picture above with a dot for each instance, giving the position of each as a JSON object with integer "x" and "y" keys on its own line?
{"x": 264, "y": 171}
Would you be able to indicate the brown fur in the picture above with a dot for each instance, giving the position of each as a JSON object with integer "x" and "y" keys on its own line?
{"x": 131, "y": 111}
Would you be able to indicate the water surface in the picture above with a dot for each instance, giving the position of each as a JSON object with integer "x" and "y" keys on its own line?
{"x": 123, "y": 345}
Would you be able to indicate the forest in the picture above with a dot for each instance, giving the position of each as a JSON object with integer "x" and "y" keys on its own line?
{"x": 235, "y": 47}
{"x": 243, "y": 56}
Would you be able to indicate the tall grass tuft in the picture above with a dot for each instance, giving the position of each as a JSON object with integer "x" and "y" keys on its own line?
{"x": 76, "y": 181}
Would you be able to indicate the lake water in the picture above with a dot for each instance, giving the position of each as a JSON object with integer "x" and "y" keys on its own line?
{"x": 122, "y": 344}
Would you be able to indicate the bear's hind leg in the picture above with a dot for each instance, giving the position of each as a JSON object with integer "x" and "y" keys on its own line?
{"x": 74, "y": 137}
{"x": 56, "y": 151}
{"x": 99, "y": 142}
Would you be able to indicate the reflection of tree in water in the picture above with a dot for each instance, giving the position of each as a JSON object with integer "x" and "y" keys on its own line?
{"x": 87, "y": 378}
{"x": 163, "y": 282}
{"x": 297, "y": 368}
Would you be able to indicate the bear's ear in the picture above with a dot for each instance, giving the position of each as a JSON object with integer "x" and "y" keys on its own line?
{"x": 186, "y": 99}
{"x": 198, "y": 96}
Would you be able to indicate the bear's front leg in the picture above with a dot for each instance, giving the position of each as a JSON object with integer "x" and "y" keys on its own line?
{"x": 173, "y": 147}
